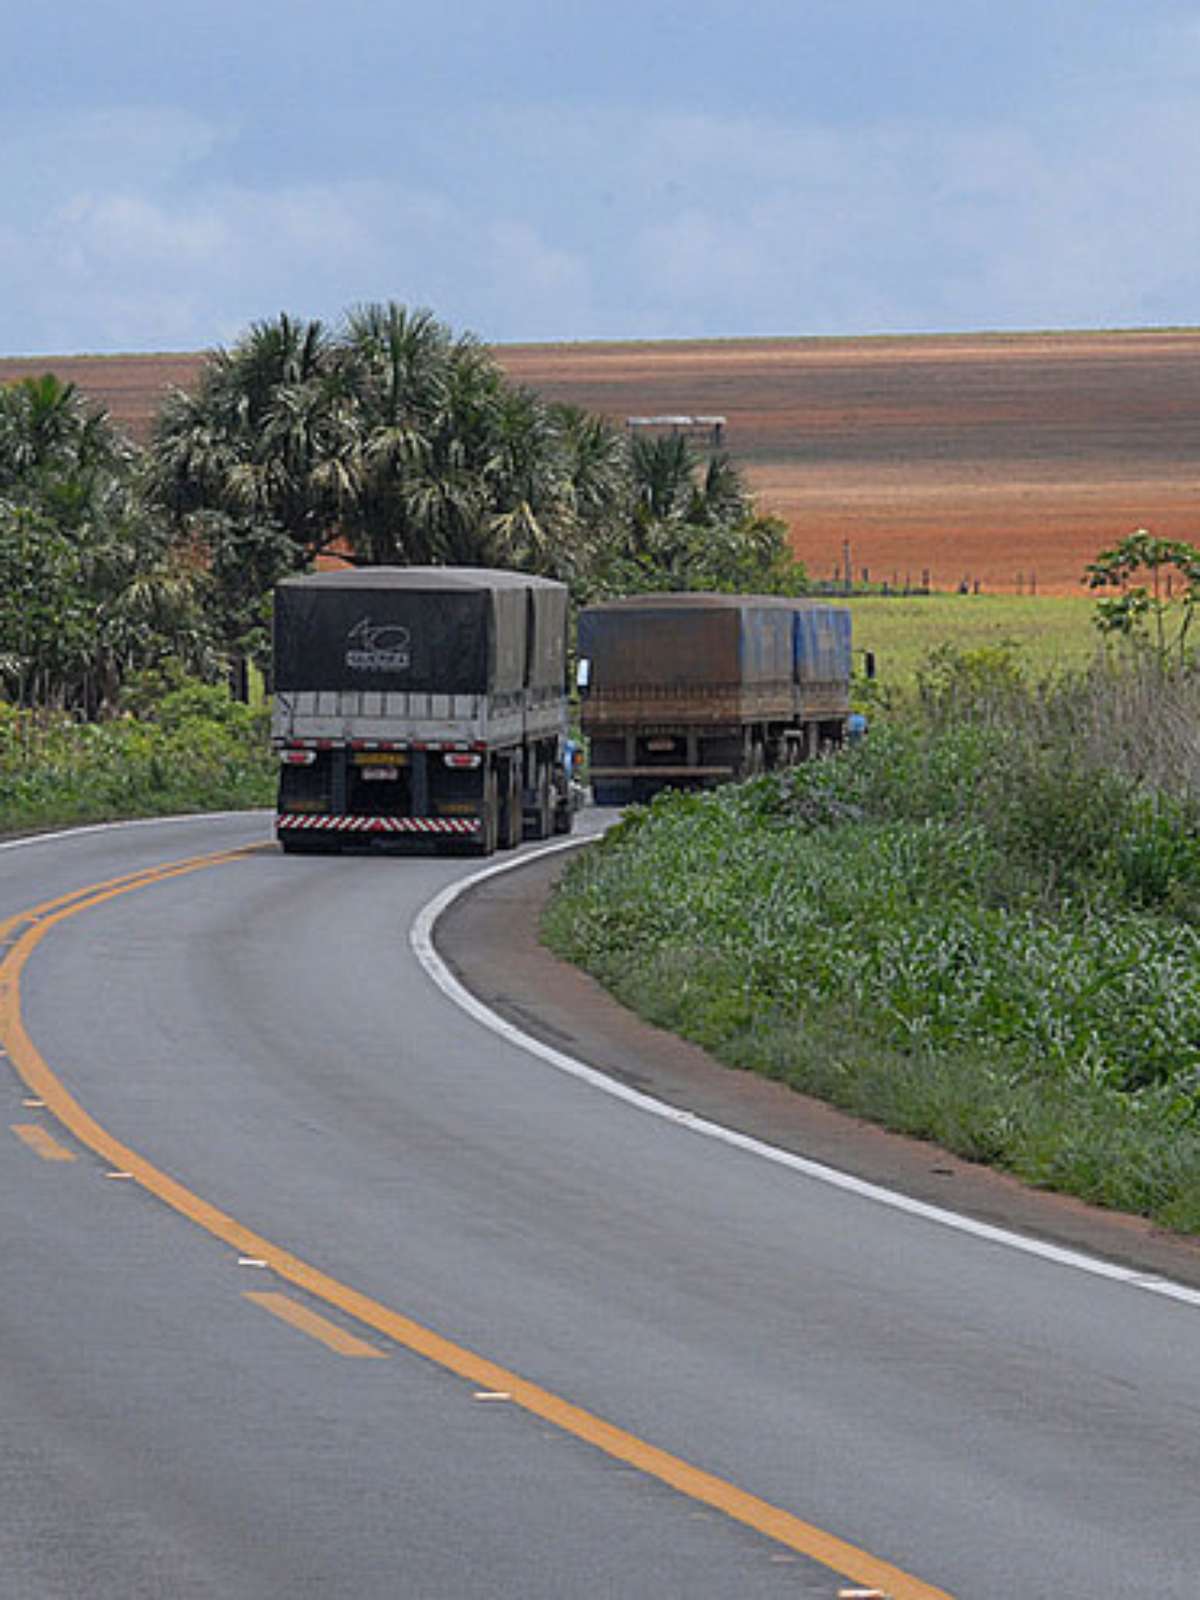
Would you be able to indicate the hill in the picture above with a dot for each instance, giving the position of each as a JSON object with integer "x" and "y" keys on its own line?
{"x": 1005, "y": 460}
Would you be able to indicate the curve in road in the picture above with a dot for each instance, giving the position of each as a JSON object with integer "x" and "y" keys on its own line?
{"x": 19, "y": 937}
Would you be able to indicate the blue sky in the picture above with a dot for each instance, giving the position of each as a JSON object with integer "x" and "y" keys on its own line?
{"x": 177, "y": 169}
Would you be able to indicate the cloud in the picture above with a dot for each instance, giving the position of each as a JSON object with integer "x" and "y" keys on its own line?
{"x": 139, "y": 229}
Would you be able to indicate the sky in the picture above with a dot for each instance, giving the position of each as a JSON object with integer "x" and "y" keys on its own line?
{"x": 176, "y": 170}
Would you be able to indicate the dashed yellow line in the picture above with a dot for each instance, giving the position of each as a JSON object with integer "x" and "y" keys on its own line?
{"x": 42, "y": 1143}
{"x": 772, "y": 1521}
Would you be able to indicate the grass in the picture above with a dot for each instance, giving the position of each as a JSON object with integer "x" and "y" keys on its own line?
{"x": 1050, "y": 633}
{"x": 199, "y": 752}
{"x": 982, "y": 928}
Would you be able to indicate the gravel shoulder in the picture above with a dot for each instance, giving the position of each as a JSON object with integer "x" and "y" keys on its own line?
{"x": 489, "y": 939}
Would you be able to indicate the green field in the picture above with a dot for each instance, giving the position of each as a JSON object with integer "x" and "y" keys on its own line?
{"x": 1049, "y": 632}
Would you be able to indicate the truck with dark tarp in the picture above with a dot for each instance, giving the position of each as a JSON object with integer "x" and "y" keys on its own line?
{"x": 420, "y": 703}
{"x": 692, "y": 690}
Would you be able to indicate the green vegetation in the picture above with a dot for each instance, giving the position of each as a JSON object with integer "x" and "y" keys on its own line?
{"x": 1160, "y": 609}
{"x": 1051, "y": 633}
{"x": 195, "y": 750}
{"x": 92, "y": 586}
{"x": 388, "y": 439}
{"x": 979, "y": 927}
{"x": 392, "y": 440}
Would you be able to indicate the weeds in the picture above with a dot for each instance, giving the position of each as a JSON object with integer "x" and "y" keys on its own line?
{"x": 200, "y": 751}
{"x": 981, "y": 927}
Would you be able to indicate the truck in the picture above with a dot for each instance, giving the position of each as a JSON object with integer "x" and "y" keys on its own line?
{"x": 420, "y": 704}
{"x": 692, "y": 690}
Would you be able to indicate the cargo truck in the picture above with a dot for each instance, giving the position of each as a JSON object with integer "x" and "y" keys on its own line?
{"x": 692, "y": 690}
{"x": 420, "y": 704}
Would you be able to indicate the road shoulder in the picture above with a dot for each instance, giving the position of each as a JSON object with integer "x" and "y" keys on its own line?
{"x": 489, "y": 939}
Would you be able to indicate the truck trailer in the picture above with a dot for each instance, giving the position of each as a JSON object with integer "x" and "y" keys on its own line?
{"x": 420, "y": 704}
{"x": 692, "y": 690}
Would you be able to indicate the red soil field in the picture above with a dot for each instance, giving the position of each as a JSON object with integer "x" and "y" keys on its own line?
{"x": 1007, "y": 460}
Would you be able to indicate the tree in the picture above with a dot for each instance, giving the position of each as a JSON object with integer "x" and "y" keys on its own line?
{"x": 1159, "y": 610}
{"x": 392, "y": 439}
{"x": 690, "y": 525}
{"x": 395, "y": 365}
{"x": 266, "y": 440}
{"x": 92, "y": 586}
{"x": 48, "y": 631}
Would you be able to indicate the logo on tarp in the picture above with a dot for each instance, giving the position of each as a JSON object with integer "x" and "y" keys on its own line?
{"x": 378, "y": 647}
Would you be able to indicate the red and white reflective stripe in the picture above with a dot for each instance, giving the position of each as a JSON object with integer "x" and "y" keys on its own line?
{"x": 287, "y": 820}
{"x": 381, "y": 744}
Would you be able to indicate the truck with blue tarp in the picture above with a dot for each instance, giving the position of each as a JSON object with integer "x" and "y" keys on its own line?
{"x": 692, "y": 690}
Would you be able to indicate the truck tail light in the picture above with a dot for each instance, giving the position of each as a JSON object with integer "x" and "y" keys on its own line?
{"x": 297, "y": 758}
{"x": 458, "y": 759}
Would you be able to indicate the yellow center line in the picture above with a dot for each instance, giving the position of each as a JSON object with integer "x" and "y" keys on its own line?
{"x": 769, "y": 1520}
{"x": 315, "y": 1325}
{"x": 42, "y": 1143}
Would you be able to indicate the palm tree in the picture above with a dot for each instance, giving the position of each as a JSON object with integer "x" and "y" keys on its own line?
{"x": 394, "y": 440}
{"x": 396, "y": 365}
{"x": 596, "y": 468}
{"x": 663, "y": 469}
{"x": 265, "y": 438}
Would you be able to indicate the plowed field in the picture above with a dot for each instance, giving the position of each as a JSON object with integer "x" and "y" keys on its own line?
{"x": 1002, "y": 460}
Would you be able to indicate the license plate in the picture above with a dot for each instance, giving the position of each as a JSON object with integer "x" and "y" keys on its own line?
{"x": 380, "y": 774}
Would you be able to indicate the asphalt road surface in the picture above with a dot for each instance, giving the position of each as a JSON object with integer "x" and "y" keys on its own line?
{"x": 315, "y": 1286}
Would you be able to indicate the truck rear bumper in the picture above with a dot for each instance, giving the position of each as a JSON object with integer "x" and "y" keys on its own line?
{"x": 662, "y": 772}
{"x": 458, "y": 827}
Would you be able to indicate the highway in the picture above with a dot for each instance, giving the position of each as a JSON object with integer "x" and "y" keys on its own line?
{"x": 315, "y": 1286}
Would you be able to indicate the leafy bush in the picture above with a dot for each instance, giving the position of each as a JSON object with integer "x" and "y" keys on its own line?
{"x": 972, "y": 928}
{"x": 202, "y": 751}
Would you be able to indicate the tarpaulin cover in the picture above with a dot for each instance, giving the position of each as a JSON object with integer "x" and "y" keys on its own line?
{"x": 685, "y": 640}
{"x": 822, "y": 644}
{"x": 547, "y": 635}
{"x": 440, "y": 630}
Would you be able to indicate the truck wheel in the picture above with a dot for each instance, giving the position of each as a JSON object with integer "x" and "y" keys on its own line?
{"x": 540, "y": 820}
{"x": 510, "y": 808}
{"x": 489, "y": 817}
{"x": 754, "y": 759}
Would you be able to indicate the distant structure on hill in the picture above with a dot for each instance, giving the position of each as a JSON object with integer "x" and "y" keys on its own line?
{"x": 710, "y": 429}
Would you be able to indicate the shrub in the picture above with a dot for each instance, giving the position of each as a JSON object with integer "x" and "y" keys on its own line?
{"x": 203, "y": 751}
{"x": 979, "y": 926}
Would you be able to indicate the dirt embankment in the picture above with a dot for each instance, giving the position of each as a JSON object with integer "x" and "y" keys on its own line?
{"x": 1004, "y": 459}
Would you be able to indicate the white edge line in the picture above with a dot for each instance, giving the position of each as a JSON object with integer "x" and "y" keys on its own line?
{"x": 128, "y": 822}
{"x": 421, "y": 937}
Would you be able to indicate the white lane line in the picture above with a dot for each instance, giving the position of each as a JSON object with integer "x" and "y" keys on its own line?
{"x": 421, "y": 937}
{"x": 127, "y": 822}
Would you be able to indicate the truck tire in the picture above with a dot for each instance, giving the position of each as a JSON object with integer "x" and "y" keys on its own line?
{"x": 510, "y": 807}
{"x": 489, "y": 818}
{"x": 540, "y": 820}
{"x": 564, "y": 815}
